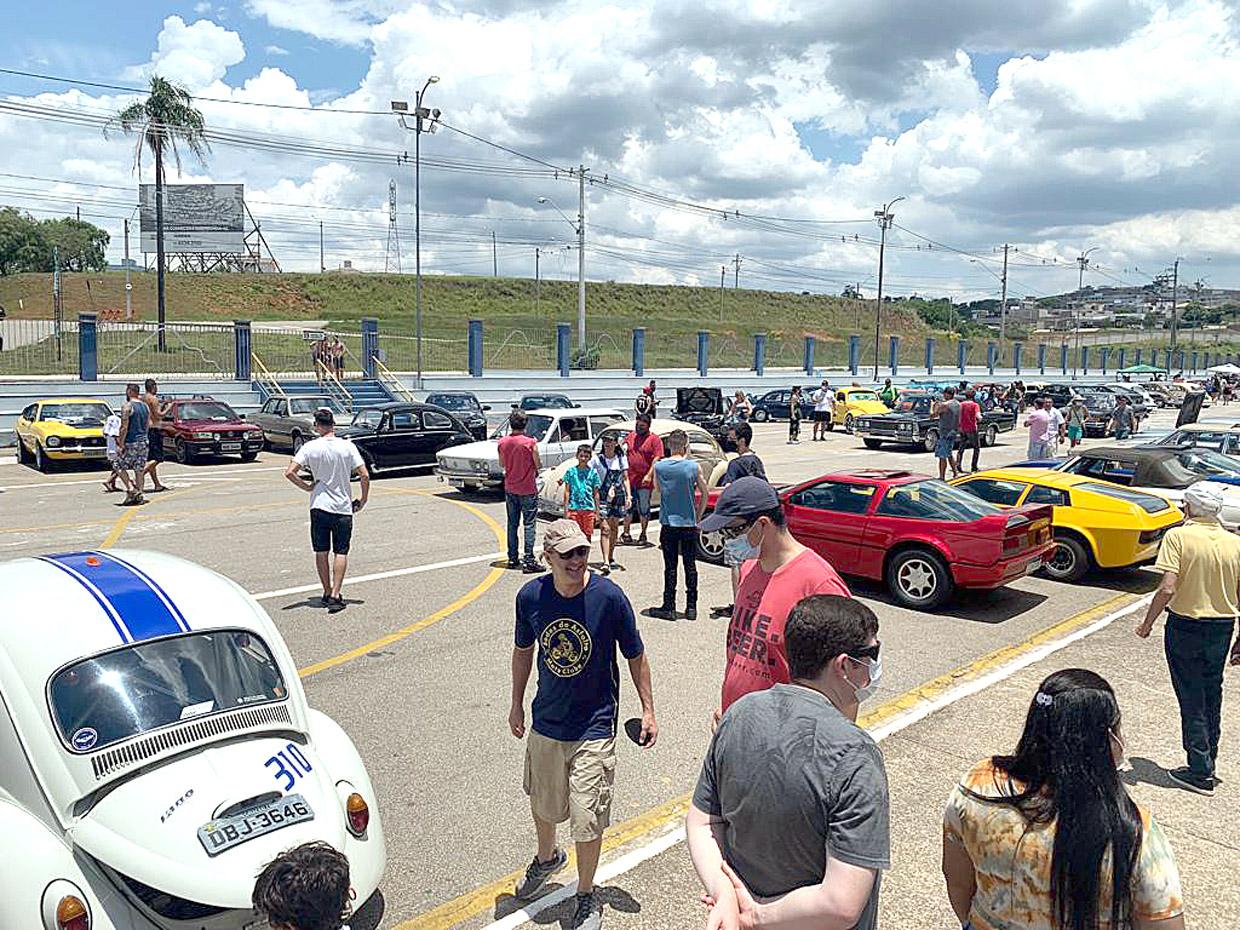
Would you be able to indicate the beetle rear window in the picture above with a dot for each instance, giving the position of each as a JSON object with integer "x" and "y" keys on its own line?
{"x": 145, "y": 686}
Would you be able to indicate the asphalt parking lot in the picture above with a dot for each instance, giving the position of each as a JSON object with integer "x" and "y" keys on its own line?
{"x": 416, "y": 668}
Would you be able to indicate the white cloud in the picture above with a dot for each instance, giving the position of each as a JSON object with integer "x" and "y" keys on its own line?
{"x": 202, "y": 8}
{"x": 275, "y": 50}
{"x": 192, "y": 54}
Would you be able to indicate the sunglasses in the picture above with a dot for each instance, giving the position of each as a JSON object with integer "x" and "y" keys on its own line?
{"x": 581, "y": 552}
{"x": 732, "y": 532}
{"x": 865, "y": 652}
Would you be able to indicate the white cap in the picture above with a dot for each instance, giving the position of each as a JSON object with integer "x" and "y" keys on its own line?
{"x": 1204, "y": 498}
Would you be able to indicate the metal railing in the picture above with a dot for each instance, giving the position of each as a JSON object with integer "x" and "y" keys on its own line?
{"x": 266, "y": 380}
{"x": 132, "y": 349}
{"x": 327, "y": 378}
{"x": 392, "y": 383}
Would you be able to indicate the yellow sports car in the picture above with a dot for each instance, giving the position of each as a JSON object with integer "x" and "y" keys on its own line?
{"x": 853, "y": 402}
{"x": 62, "y": 429}
{"x": 1097, "y": 524}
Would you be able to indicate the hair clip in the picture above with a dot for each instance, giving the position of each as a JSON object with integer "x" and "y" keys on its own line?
{"x": 1044, "y": 699}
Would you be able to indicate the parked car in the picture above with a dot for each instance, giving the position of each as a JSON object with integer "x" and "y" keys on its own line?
{"x": 198, "y": 426}
{"x": 288, "y": 422}
{"x": 776, "y": 405}
{"x": 912, "y": 423}
{"x": 401, "y": 434}
{"x": 159, "y": 750}
{"x": 558, "y": 432}
{"x": 544, "y": 402}
{"x": 61, "y": 429}
{"x": 703, "y": 449}
{"x": 1225, "y": 439}
{"x": 704, "y": 407}
{"x": 1163, "y": 470}
{"x": 853, "y": 402}
{"x": 1096, "y": 524}
{"x": 921, "y": 537}
{"x": 465, "y": 407}
{"x": 1140, "y": 401}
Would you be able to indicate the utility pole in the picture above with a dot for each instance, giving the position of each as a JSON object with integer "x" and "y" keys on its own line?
{"x": 128, "y": 285}
{"x": 537, "y": 276}
{"x": 322, "y": 263}
{"x": 1003, "y": 299}
{"x": 723, "y": 276}
{"x": 1175, "y": 321}
{"x": 581, "y": 257}
{"x": 736, "y": 273}
{"x": 494, "y": 257}
{"x": 1082, "y": 262}
{"x": 885, "y": 218}
{"x": 78, "y": 209}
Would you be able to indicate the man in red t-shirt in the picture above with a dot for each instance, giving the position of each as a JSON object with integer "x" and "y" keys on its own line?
{"x": 518, "y": 456}
{"x": 643, "y": 448}
{"x": 970, "y": 416}
{"x": 777, "y": 572}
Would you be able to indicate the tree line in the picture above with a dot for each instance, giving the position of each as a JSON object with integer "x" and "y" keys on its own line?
{"x": 27, "y": 244}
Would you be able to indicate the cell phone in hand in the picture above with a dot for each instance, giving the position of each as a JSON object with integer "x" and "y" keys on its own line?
{"x": 357, "y": 505}
{"x": 633, "y": 728}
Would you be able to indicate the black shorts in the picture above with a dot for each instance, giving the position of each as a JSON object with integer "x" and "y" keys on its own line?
{"x": 155, "y": 445}
{"x": 822, "y": 416}
{"x": 332, "y": 531}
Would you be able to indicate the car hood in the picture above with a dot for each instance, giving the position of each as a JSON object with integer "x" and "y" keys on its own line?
{"x": 214, "y": 425}
{"x": 124, "y": 829}
{"x": 56, "y": 428}
{"x": 698, "y": 401}
{"x": 867, "y": 407}
{"x": 896, "y": 415}
{"x": 486, "y": 450}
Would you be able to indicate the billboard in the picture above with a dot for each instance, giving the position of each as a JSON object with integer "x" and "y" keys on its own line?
{"x": 197, "y": 217}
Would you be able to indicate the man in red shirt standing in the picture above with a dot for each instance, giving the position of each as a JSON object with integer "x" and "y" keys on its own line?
{"x": 644, "y": 449}
{"x": 518, "y": 455}
{"x": 970, "y": 415}
{"x": 777, "y": 572}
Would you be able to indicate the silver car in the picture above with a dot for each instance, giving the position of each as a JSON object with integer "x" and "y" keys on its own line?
{"x": 289, "y": 421}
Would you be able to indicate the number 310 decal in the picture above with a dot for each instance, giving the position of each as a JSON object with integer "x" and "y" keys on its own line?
{"x": 290, "y": 764}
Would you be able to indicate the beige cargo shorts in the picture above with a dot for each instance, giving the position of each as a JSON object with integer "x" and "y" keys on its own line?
{"x": 571, "y": 781}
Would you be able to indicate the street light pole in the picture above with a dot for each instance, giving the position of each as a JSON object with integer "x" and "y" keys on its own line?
{"x": 581, "y": 257}
{"x": 885, "y": 218}
{"x": 1082, "y": 263}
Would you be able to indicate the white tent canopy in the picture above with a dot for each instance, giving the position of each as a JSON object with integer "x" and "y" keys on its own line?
{"x": 1227, "y": 369}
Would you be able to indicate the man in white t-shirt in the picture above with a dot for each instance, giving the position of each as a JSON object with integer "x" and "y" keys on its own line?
{"x": 332, "y": 462}
{"x": 824, "y": 403}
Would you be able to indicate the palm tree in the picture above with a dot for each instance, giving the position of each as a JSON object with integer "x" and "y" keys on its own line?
{"x": 166, "y": 117}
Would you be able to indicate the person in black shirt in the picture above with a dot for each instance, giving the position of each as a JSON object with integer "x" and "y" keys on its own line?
{"x": 746, "y": 461}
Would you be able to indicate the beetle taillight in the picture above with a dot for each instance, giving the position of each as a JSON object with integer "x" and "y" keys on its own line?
{"x": 358, "y": 814}
{"x": 71, "y": 914}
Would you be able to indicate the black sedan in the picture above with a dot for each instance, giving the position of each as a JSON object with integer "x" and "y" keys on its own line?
{"x": 403, "y": 435}
{"x": 544, "y": 402}
{"x": 465, "y": 407}
{"x": 912, "y": 423}
{"x": 777, "y": 405}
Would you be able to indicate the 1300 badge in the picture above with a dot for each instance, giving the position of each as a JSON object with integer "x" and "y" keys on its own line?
{"x": 565, "y": 647}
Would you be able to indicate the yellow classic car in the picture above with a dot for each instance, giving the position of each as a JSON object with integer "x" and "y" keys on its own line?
{"x": 62, "y": 429}
{"x": 1096, "y": 524}
{"x": 853, "y": 402}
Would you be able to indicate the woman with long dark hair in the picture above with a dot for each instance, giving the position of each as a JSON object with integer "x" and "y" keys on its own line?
{"x": 1048, "y": 838}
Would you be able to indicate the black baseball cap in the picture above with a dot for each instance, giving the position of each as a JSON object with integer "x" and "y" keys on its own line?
{"x": 744, "y": 497}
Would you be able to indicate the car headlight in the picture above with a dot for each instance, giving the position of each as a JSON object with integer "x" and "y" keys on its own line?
{"x": 53, "y": 441}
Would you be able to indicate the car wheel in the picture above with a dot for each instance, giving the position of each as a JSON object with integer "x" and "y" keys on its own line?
{"x": 919, "y": 579}
{"x": 248, "y": 456}
{"x": 40, "y": 458}
{"x": 873, "y": 443}
{"x": 298, "y": 442}
{"x": 931, "y": 439}
{"x": 760, "y": 416}
{"x": 1068, "y": 561}
{"x": 848, "y": 423}
{"x": 710, "y": 547}
{"x": 182, "y": 453}
{"x": 992, "y": 435}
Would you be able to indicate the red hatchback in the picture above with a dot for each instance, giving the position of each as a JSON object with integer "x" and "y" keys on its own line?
{"x": 201, "y": 426}
{"x": 921, "y": 537}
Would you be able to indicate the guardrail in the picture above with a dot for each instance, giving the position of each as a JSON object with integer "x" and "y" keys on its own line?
{"x": 266, "y": 380}
{"x": 328, "y": 378}
{"x": 392, "y": 383}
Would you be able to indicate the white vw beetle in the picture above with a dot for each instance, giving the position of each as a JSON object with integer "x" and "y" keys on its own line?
{"x": 156, "y": 750}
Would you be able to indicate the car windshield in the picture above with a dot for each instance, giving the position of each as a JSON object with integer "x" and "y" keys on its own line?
{"x": 1183, "y": 437}
{"x": 206, "y": 411}
{"x": 862, "y": 395}
{"x": 913, "y": 403}
{"x": 1150, "y": 503}
{"x": 934, "y": 500}
{"x": 1205, "y": 463}
{"x": 304, "y": 405}
{"x": 86, "y": 414}
{"x": 126, "y": 692}
{"x": 369, "y": 419}
{"x": 454, "y": 401}
{"x": 536, "y": 426}
{"x": 545, "y": 401}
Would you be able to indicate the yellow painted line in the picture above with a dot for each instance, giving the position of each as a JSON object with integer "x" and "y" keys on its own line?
{"x": 481, "y": 588}
{"x": 473, "y": 903}
{"x": 118, "y": 528}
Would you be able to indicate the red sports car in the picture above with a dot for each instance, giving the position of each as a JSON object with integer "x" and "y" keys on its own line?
{"x": 201, "y": 426}
{"x": 921, "y": 537}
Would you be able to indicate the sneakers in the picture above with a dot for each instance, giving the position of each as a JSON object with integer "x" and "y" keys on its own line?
{"x": 587, "y": 913}
{"x": 604, "y": 569}
{"x": 615, "y": 566}
{"x": 717, "y": 613}
{"x": 537, "y": 873}
{"x": 531, "y": 567}
{"x": 513, "y": 564}
{"x": 1189, "y": 780}
{"x": 690, "y": 613}
{"x": 662, "y": 613}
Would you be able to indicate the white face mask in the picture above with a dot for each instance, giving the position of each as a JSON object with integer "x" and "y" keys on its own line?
{"x": 1122, "y": 765}
{"x": 865, "y": 692}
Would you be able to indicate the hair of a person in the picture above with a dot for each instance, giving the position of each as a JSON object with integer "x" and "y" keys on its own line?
{"x": 1067, "y": 775}
{"x": 306, "y": 888}
{"x": 743, "y": 432}
{"x": 775, "y": 515}
{"x": 970, "y": 393}
{"x": 517, "y": 420}
{"x": 323, "y": 416}
{"x": 823, "y": 626}
{"x": 643, "y": 418}
{"x": 586, "y": 448}
{"x": 678, "y": 440}
{"x": 149, "y": 384}
{"x": 132, "y": 386}
{"x": 949, "y": 392}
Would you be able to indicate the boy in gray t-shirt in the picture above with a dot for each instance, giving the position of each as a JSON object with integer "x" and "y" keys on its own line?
{"x": 794, "y": 790}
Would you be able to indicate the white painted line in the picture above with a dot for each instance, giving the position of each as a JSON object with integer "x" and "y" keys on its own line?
{"x": 379, "y": 576}
{"x": 185, "y": 477}
{"x": 663, "y": 842}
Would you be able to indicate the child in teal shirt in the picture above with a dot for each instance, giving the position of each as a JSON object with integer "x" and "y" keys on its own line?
{"x": 581, "y": 487}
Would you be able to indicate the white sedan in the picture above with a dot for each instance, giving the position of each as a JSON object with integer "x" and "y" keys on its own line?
{"x": 156, "y": 750}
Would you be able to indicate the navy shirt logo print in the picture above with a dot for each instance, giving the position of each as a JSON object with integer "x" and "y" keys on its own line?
{"x": 566, "y": 647}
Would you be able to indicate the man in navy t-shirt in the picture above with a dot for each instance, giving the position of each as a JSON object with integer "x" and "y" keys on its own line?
{"x": 577, "y": 620}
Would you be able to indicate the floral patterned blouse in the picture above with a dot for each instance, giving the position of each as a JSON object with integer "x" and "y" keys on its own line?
{"x": 1012, "y": 860}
